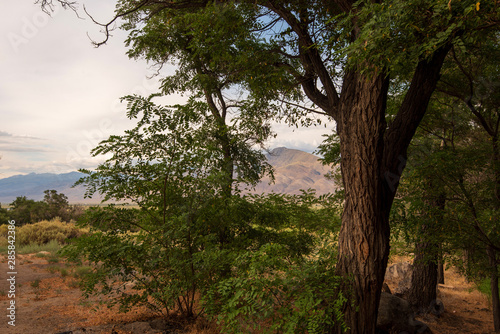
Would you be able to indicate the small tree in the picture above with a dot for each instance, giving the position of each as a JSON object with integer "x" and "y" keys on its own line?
{"x": 186, "y": 233}
{"x": 57, "y": 205}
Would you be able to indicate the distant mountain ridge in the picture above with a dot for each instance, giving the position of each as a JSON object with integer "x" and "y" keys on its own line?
{"x": 33, "y": 185}
{"x": 293, "y": 170}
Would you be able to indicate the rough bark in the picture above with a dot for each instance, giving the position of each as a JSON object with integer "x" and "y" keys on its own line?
{"x": 369, "y": 156}
{"x": 440, "y": 270}
{"x": 424, "y": 281}
{"x": 424, "y": 278}
{"x": 364, "y": 236}
{"x": 495, "y": 298}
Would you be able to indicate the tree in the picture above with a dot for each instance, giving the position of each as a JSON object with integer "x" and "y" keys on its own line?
{"x": 58, "y": 205}
{"x": 471, "y": 80}
{"x": 187, "y": 233}
{"x": 26, "y": 211}
{"x": 420, "y": 215}
{"x": 457, "y": 148}
{"x": 358, "y": 46}
{"x": 181, "y": 238}
{"x": 4, "y": 215}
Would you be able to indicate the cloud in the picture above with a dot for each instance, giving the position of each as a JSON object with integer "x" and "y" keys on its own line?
{"x": 23, "y": 149}
{"x": 19, "y": 151}
{"x": 10, "y": 135}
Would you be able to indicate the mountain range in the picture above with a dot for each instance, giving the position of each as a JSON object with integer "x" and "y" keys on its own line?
{"x": 293, "y": 170}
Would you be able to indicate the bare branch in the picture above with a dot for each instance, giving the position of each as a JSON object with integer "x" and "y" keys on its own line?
{"x": 304, "y": 107}
{"x": 48, "y": 5}
{"x": 106, "y": 26}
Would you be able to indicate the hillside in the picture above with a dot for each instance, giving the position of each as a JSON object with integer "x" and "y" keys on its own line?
{"x": 294, "y": 170}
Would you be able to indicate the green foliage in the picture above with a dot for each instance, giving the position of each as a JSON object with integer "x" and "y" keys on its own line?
{"x": 396, "y": 34}
{"x": 455, "y": 157}
{"x": 330, "y": 150}
{"x": 484, "y": 286}
{"x": 173, "y": 260}
{"x": 169, "y": 146}
{"x": 25, "y": 211}
{"x": 187, "y": 230}
{"x": 278, "y": 292}
{"x": 57, "y": 205}
{"x": 184, "y": 165}
{"x": 4, "y": 216}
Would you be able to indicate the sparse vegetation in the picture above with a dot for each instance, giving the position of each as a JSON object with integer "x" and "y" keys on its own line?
{"x": 52, "y": 247}
{"x": 35, "y": 284}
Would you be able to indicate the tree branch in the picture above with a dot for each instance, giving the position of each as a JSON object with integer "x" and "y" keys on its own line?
{"x": 106, "y": 26}
{"x": 303, "y": 107}
{"x": 311, "y": 60}
{"x": 411, "y": 112}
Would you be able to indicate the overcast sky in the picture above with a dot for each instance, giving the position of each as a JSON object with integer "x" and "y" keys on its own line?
{"x": 59, "y": 96}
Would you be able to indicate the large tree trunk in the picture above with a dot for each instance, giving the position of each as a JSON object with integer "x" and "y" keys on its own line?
{"x": 495, "y": 298}
{"x": 372, "y": 162}
{"x": 364, "y": 236}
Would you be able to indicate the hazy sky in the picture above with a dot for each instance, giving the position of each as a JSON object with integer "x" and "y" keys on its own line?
{"x": 59, "y": 96}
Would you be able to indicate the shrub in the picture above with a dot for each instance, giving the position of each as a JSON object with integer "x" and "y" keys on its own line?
{"x": 169, "y": 263}
{"x": 3, "y": 234}
{"x": 274, "y": 292}
{"x": 45, "y": 231}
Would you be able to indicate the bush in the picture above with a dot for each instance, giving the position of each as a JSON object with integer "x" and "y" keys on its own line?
{"x": 274, "y": 292}
{"x": 45, "y": 231}
{"x": 168, "y": 264}
{"x": 3, "y": 234}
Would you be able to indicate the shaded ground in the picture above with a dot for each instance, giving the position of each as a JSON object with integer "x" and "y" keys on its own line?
{"x": 466, "y": 310}
{"x": 48, "y": 301}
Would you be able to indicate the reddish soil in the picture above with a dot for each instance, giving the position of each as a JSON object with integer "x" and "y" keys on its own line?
{"x": 48, "y": 303}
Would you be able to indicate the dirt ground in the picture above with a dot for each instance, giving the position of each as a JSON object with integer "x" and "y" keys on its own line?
{"x": 48, "y": 302}
{"x": 466, "y": 310}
